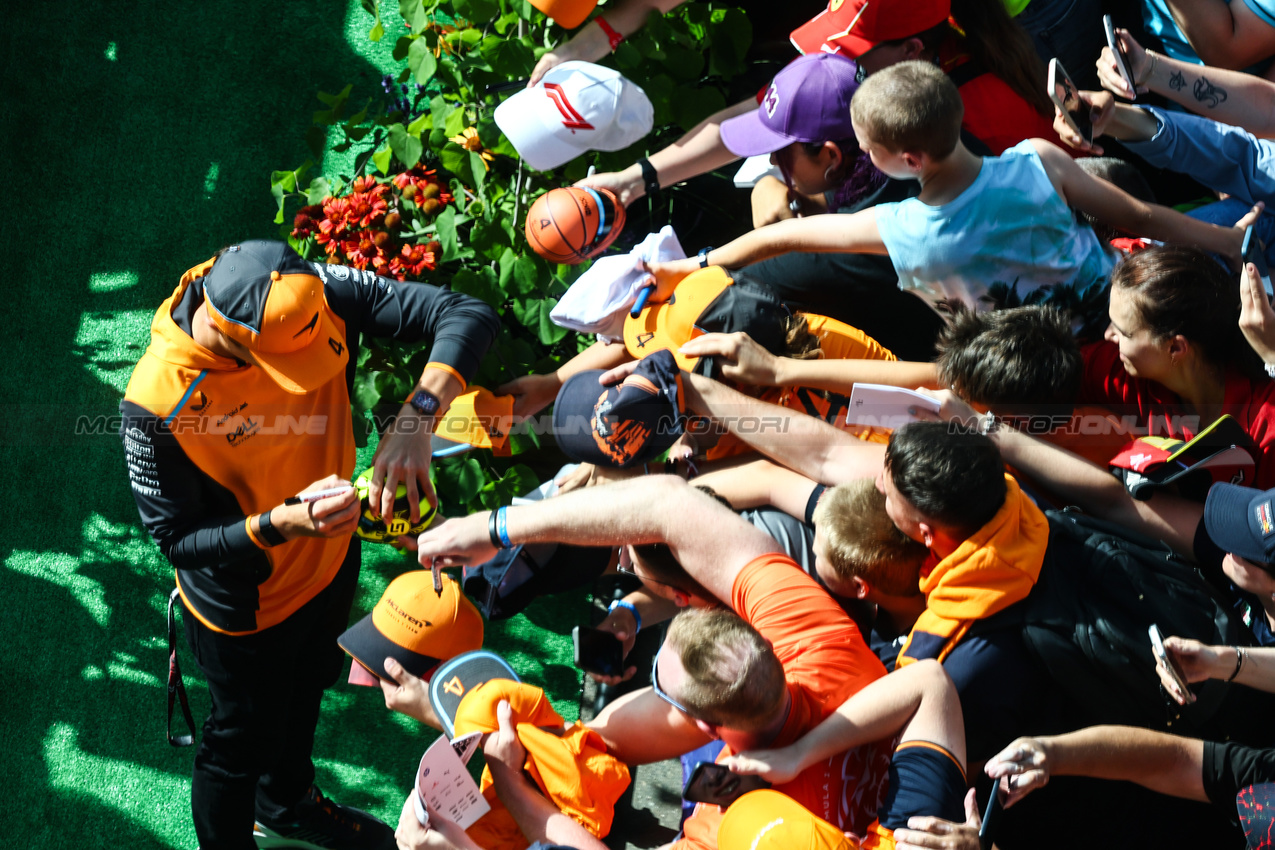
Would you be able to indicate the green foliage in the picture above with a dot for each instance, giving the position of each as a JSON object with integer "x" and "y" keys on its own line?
{"x": 436, "y": 123}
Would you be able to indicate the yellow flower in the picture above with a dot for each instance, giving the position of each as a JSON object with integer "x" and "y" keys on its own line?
{"x": 468, "y": 139}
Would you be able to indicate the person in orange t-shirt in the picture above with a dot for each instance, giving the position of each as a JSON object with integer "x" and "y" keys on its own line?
{"x": 758, "y": 673}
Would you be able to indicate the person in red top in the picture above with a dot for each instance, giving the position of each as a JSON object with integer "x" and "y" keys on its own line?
{"x": 1174, "y": 359}
{"x": 760, "y": 673}
{"x": 991, "y": 60}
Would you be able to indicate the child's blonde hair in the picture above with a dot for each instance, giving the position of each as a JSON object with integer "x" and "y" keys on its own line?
{"x": 911, "y": 107}
{"x": 862, "y": 541}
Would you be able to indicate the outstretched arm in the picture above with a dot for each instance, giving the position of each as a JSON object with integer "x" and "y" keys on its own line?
{"x": 855, "y": 233}
{"x": 1164, "y": 763}
{"x": 919, "y": 700}
{"x": 591, "y": 42}
{"x": 1232, "y": 97}
{"x": 742, "y": 360}
{"x": 1228, "y": 35}
{"x": 803, "y": 443}
{"x": 709, "y": 540}
{"x": 1115, "y": 207}
{"x": 1090, "y": 487}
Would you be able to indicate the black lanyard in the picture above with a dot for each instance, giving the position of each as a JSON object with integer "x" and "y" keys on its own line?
{"x": 176, "y": 688}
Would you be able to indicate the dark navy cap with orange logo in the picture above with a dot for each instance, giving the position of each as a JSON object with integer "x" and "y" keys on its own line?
{"x": 625, "y": 424}
{"x": 264, "y": 296}
{"x": 415, "y": 626}
{"x": 1241, "y": 520}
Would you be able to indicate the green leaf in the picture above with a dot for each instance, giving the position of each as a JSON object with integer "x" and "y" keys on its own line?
{"x": 420, "y": 125}
{"x": 627, "y": 56}
{"x": 518, "y": 274}
{"x": 505, "y": 21}
{"x": 478, "y": 167}
{"x": 488, "y": 239}
{"x": 508, "y": 57}
{"x": 730, "y": 37}
{"x": 413, "y": 11}
{"x": 684, "y": 64}
{"x": 480, "y": 284}
{"x": 520, "y": 479}
{"x": 445, "y": 227}
{"x": 455, "y": 122}
{"x": 316, "y": 139}
{"x": 534, "y": 314}
{"x": 319, "y": 189}
{"x": 407, "y": 148}
{"x": 456, "y": 160}
{"x": 476, "y": 11}
{"x": 366, "y": 395}
{"x": 421, "y": 60}
{"x": 381, "y": 159}
{"x": 377, "y": 32}
{"x": 401, "y": 46}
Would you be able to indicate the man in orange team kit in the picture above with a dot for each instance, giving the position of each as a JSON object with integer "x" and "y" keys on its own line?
{"x": 759, "y": 672}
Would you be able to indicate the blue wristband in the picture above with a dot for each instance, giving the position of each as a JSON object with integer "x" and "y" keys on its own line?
{"x": 502, "y": 529}
{"x": 632, "y": 609}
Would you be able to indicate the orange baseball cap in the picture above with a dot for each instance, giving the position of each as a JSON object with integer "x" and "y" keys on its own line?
{"x": 264, "y": 296}
{"x": 768, "y": 820}
{"x": 567, "y": 14}
{"x": 706, "y": 301}
{"x": 415, "y": 626}
{"x": 853, "y": 27}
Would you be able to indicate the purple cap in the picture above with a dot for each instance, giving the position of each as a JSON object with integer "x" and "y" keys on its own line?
{"x": 808, "y": 101}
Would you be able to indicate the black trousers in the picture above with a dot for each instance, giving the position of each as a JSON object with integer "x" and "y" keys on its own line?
{"x": 266, "y": 687}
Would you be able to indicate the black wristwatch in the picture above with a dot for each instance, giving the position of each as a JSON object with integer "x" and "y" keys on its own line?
{"x": 425, "y": 402}
{"x": 650, "y": 180}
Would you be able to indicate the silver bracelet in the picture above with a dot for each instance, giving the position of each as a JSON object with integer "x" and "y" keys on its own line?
{"x": 988, "y": 424}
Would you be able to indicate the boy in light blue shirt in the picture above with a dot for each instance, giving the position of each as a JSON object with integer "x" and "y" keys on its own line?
{"x": 978, "y": 221}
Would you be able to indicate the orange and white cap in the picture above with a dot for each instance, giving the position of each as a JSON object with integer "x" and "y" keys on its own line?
{"x": 264, "y": 296}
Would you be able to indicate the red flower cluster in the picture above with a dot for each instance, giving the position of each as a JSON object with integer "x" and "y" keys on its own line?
{"x": 362, "y": 228}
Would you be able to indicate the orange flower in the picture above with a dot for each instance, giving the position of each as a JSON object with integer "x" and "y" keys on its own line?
{"x": 468, "y": 139}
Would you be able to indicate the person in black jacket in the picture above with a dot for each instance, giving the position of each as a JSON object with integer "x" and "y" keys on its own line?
{"x": 241, "y": 401}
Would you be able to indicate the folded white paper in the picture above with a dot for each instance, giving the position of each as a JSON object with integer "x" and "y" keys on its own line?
{"x": 881, "y": 406}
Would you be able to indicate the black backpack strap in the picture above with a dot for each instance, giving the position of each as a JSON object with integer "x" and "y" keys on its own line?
{"x": 176, "y": 687}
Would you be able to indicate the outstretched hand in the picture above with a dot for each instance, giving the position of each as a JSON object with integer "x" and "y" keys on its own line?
{"x": 740, "y": 357}
{"x": 1101, "y": 106}
{"x": 932, "y": 832}
{"x": 775, "y": 766}
{"x": 1022, "y": 767}
{"x": 1139, "y": 66}
{"x": 1257, "y": 318}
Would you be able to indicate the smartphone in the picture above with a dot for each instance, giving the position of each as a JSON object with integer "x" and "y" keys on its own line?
{"x": 1122, "y": 58}
{"x": 1065, "y": 95}
{"x": 1157, "y": 647}
{"x": 991, "y": 816}
{"x": 1254, "y": 253}
{"x": 717, "y": 785}
{"x": 598, "y": 652}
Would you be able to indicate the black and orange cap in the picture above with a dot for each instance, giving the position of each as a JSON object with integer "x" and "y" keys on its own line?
{"x": 625, "y": 424}
{"x": 264, "y": 296}
{"x": 707, "y": 301}
{"x": 415, "y": 626}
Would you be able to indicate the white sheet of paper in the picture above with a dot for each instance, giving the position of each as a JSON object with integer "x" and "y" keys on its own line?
{"x": 443, "y": 781}
{"x": 883, "y": 406}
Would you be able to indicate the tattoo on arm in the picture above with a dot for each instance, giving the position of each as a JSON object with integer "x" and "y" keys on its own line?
{"x": 1177, "y": 81}
{"x": 1206, "y": 91}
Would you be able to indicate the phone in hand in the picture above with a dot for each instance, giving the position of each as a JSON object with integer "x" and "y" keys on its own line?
{"x": 1175, "y": 672}
{"x": 1253, "y": 251}
{"x": 598, "y": 652}
{"x": 717, "y": 785}
{"x": 991, "y": 818}
{"x": 1065, "y": 95}
{"x": 1122, "y": 58}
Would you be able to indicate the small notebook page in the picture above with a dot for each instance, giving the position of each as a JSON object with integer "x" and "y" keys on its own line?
{"x": 443, "y": 781}
{"x": 882, "y": 406}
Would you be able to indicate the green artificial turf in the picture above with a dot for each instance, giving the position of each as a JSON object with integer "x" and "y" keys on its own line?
{"x": 138, "y": 138}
